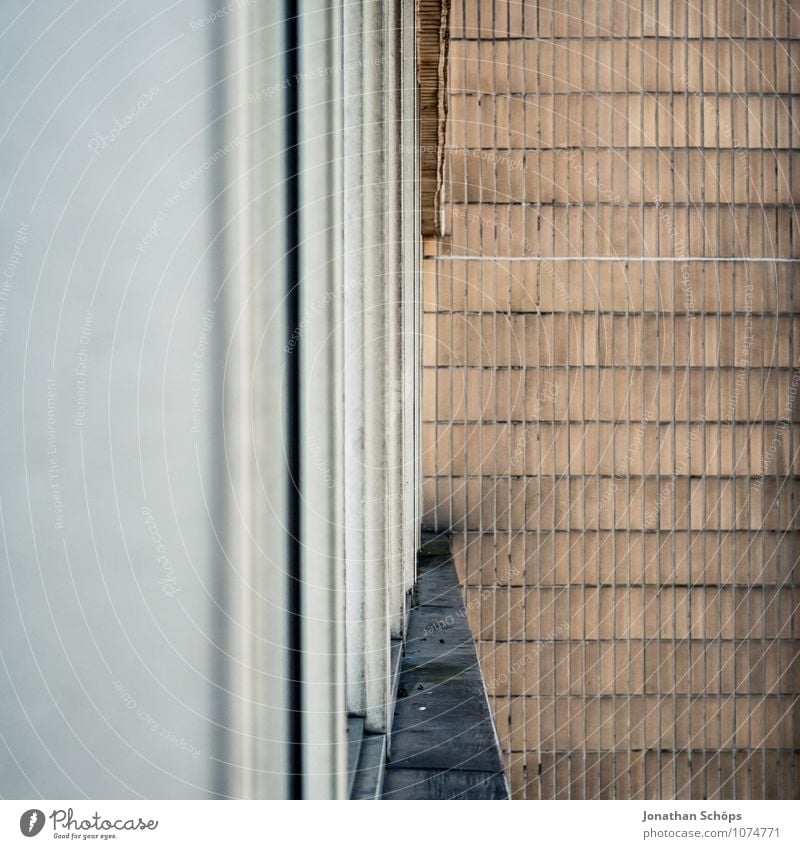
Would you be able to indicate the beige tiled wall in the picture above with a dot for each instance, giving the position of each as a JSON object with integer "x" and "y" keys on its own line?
{"x": 611, "y": 369}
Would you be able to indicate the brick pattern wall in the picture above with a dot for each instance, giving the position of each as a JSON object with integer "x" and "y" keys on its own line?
{"x": 610, "y": 379}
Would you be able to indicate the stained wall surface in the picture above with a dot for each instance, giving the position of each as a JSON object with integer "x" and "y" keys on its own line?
{"x": 610, "y": 378}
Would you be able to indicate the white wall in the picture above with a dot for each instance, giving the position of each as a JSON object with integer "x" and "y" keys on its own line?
{"x": 113, "y": 673}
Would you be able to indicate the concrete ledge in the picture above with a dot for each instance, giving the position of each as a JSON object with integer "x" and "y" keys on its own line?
{"x": 443, "y": 743}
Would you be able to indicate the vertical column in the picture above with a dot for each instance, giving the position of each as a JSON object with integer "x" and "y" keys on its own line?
{"x": 254, "y": 322}
{"x": 394, "y": 281}
{"x": 354, "y": 352}
{"x": 376, "y": 519}
{"x": 321, "y": 388}
{"x": 409, "y": 179}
